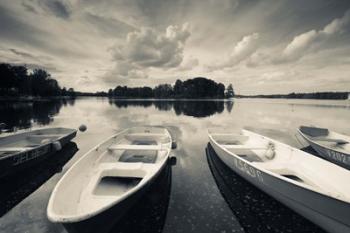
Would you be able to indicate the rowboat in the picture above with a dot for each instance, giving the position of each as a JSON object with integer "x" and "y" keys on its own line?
{"x": 332, "y": 146}
{"x": 22, "y": 150}
{"x": 105, "y": 182}
{"x": 254, "y": 210}
{"x": 311, "y": 186}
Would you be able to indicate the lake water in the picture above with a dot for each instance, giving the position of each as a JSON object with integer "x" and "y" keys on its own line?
{"x": 198, "y": 194}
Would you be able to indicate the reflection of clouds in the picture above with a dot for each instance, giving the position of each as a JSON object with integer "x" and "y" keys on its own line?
{"x": 270, "y": 120}
{"x": 192, "y": 180}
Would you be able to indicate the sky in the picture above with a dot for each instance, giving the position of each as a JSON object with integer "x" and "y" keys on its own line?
{"x": 260, "y": 46}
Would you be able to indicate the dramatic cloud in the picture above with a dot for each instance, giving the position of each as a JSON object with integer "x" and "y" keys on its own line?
{"x": 337, "y": 25}
{"x": 148, "y": 48}
{"x": 299, "y": 45}
{"x": 259, "y": 46}
{"x": 303, "y": 43}
{"x": 242, "y": 50}
{"x": 108, "y": 26}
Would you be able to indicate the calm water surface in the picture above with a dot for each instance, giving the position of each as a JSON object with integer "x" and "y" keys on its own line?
{"x": 198, "y": 194}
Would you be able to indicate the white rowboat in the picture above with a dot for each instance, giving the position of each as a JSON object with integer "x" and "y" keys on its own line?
{"x": 311, "y": 186}
{"x": 109, "y": 179}
{"x": 332, "y": 146}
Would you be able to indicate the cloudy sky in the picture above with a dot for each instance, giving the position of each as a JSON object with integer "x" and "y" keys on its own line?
{"x": 261, "y": 46}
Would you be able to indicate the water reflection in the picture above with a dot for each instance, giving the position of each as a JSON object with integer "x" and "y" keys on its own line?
{"x": 127, "y": 103}
{"x": 256, "y": 211}
{"x": 148, "y": 215}
{"x": 229, "y": 105}
{"x": 196, "y": 204}
{"x": 196, "y": 109}
{"x": 21, "y": 115}
{"x": 17, "y": 187}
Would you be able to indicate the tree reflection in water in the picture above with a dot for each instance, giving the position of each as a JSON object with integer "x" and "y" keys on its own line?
{"x": 229, "y": 105}
{"x": 21, "y": 115}
{"x": 193, "y": 108}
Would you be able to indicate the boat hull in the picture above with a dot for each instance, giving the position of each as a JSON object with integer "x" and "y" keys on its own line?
{"x": 336, "y": 157}
{"x": 20, "y": 161}
{"x": 105, "y": 221}
{"x": 328, "y": 213}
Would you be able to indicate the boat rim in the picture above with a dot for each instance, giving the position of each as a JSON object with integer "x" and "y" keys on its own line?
{"x": 318, "y": 144}
{"x": 59, "y": 218}
{"x": 37, "y": 147}
{"x": 308, "y": 187}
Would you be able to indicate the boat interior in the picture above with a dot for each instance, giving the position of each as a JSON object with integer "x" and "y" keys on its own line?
{"x": 115, "y": 168}
{"x": 143, "y": 146}
{"x": 314, "y": 132}
{"x": 242, "y": 146}
{"x": 285, "y": 161}
{"x": 324, "y": 136}
{"x": 31, "y": 139}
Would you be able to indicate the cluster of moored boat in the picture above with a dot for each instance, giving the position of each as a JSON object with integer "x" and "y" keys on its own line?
{"x": 111, "y": 177}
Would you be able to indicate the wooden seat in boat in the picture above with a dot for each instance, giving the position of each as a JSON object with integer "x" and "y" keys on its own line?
{"x": 144, "y": 142}
{"x": 130, "y": 156}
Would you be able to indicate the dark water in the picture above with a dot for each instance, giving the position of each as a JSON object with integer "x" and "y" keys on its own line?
{"x": 198, "y": 194}
{"x": 17, "y": 187}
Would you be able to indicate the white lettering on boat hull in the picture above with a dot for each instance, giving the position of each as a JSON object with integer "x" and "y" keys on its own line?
{"x": 248, "y": 169}
{"x": 30, "y": 155}
{"x": 340, "y": 157}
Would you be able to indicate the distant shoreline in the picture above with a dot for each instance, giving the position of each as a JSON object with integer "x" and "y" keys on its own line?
{"x": 314, "y": 96}
{"x": 169, "y": 99}
{"x": 40, "y": 99}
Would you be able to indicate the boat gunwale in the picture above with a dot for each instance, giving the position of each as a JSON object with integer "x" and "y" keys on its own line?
{"x": 61, "y": 218}
{"x": 73, "y": 131}
{"x": 307, "y": 138}
{"x": 276, "y": 175}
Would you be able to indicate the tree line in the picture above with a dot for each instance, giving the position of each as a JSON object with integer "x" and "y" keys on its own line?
{"x": 315, "y": 95}
{"x": 196, "y": 88}
{"x": 16, "y": 80}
